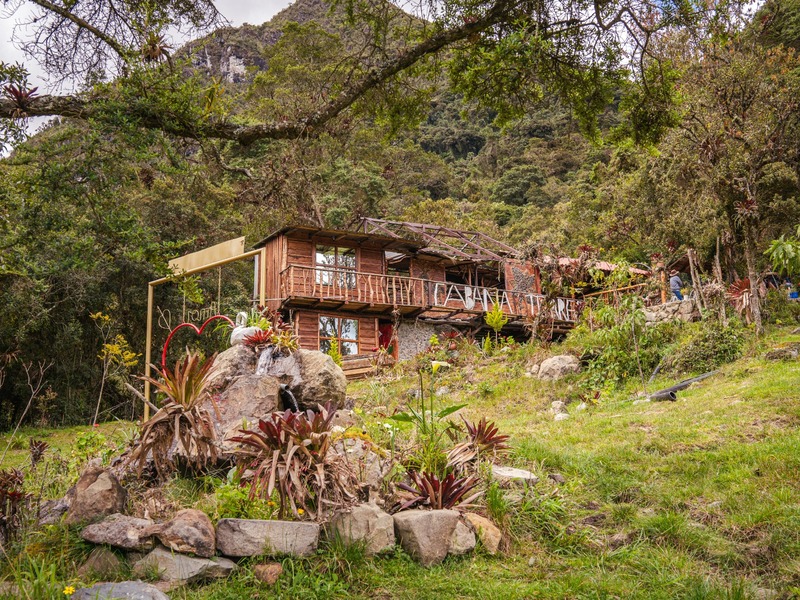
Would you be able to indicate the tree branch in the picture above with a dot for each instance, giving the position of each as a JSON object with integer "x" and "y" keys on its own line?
{"x": 111, "y": 42}
{"x": 83, "y": 107}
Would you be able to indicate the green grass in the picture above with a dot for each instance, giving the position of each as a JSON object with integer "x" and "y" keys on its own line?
{"x": 705, "y": 489}
{"x": 60, "y": 440}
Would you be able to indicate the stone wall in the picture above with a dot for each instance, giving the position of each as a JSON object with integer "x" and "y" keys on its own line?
{"x": 413, "y": 337}
{"x": 672, "y": 311}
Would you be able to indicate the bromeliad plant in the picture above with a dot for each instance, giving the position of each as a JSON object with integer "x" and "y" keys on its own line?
{"x": 181, "y": 422}
{"x": 430, "y": 492}
{"x": 12, "y": 502}
{"x": 483, "y": 442}
{"x": 289, "y": 454}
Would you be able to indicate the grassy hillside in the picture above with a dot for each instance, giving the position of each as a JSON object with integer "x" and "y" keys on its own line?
{"x": 694, "y": 499}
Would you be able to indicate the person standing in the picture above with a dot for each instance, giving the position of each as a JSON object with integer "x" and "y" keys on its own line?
{"x": 675, "y": 284}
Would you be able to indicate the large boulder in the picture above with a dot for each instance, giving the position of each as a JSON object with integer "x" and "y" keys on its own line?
{"x": 120, "y": 531}
{"x": 364, "y": 523}
{"x": 236, "y": 360}
{"x": 123, "y": 590}
{"x": 248, "y": 398}
{"x": 426, "y": 534}
{"x": 557, "y": 367}
{"x": 171, "y": 566}
{"x": 311, "y": 376}
{"x": 97, "y": 494}
{"x": 253, "y": 537}
{"x": 189, "y": 531}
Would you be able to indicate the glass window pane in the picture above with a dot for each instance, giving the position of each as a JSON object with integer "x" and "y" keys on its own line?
{"x": 326, "y": 255}
{"x": 327, "y": 326}
{"x": 349, "y": 348}
{"x": 324, "y": 345}
{"x": 349, "y": 329}
{"x": 347, "y": 258}
{"x": 324, "y": 277}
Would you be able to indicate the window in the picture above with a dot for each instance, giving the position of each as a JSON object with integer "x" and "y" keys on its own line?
{"x": 336, "y": 266}
{"x": 344, "y": 330}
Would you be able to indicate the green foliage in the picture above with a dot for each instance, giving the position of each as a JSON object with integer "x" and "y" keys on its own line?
{"x": 430, "y": 427}
{"x": 707, "y": 345}
{"x": 779, "y": 309}
{"x": 334, "y": 352}
{"x": 520, "y": 185}
{"x": 619, "y": 342}
{"x": 784, "y": 254}
{"x": 231, "y": 499}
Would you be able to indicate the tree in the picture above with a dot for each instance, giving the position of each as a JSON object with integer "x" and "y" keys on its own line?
{"x": 737, "y": 142}
{"x": 501, "y": 52}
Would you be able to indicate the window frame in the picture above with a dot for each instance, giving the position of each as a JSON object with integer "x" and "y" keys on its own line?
{"x": 337, "y": 274}
{"x": 338, "y": 320}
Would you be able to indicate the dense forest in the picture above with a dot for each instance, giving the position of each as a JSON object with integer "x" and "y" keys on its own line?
{"x": 702, "y": 153}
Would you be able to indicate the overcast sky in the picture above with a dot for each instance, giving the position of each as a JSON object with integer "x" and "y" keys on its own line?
{"x": 254, "y": 12}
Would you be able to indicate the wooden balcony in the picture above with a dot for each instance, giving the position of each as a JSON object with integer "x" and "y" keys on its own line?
{"x": 372, "y": 293}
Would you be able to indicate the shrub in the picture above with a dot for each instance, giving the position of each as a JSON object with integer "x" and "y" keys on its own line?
{"x": 780, "y": 310}
{"x": 619, "y": 342}
{"x": 181, "y": 420}
{"x": 289, "y": 455}
{"x": 708, "y": 345}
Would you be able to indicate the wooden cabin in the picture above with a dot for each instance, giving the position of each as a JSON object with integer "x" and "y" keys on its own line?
{"x": 393, "y": 283}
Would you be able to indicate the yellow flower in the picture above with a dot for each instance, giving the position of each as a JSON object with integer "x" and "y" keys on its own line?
{"x": 270, "y": 503}
{"x": 69, "y": 590}
{"x": 300, "y": 511}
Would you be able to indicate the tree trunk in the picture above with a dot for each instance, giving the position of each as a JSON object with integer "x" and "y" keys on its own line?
{"x": 752, "y": 274}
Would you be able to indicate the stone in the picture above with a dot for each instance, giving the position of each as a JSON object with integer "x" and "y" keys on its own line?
{"x": 463, "y": 540}
{"x": 685, "y": 311}
{"x": 97, "y": 495}
{"x": 268, "y": 572}
{"x": 367, "y": 523}
{"x": 239, "y": 333}
{"x": 558, "y": 407}
{"x": 189, "y": 531}
{"x": 345, "y": 419}
{"x": 533, "y": 370}
{"x": 248, "y": 398}
{"x": 253, "y": 537}
{"x": 369, "y": 466}
{"x": 101, "y": 563}
{"x": 766, "y": 594}
{"x": 557, "y": 478}
{"x": 561, "y": 417}
{"x": 558, "y": 367}
{"x": 171, "y": 566}
{"x": 426, "y": 534}
{"x": 230, "y": 364}
{"x": 51, "y": 511}
{"x": 782, "y": 354}
{"x": 311, "y": 376}
{"x": 582, "y": 406}
{"x": 120, "y": 531}
{"x": 511, "y": 475}
{"x": 123, "y": 590}
{"x": 488, "y": 533}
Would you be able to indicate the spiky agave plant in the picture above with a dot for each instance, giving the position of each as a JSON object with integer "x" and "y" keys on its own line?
{"x": 431, "y": 492}
{"x": 289, "y": 453}
{"x": 182, "y": 422}
{"x": 483, "y": 440}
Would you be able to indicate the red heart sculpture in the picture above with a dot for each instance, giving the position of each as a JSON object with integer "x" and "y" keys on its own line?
{"x": 197, "y": 330}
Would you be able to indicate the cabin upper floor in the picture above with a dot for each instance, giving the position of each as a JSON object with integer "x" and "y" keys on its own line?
{"x": 374, "y": 274}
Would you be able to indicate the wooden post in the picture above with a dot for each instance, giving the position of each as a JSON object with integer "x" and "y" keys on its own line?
{"x": 661, "y": 267}
{"x": 148, "y": 350}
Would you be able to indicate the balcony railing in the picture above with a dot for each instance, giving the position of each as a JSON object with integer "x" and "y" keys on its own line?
{"x": 349, "y": 286}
